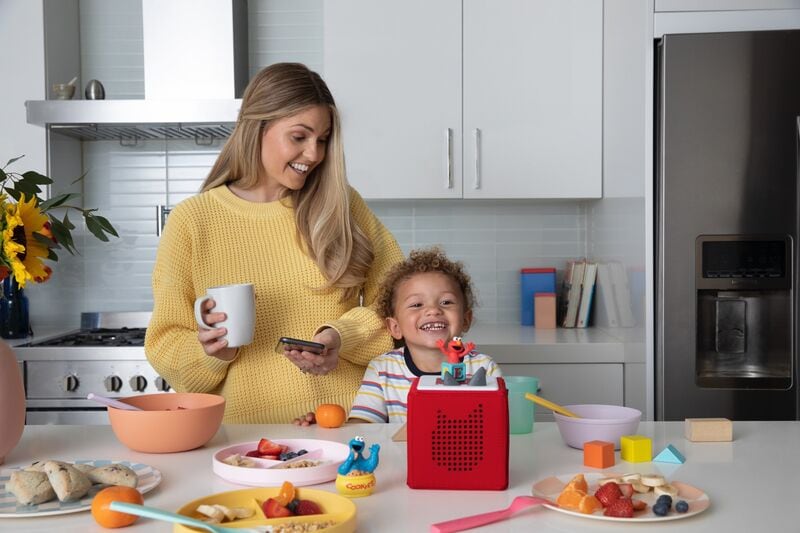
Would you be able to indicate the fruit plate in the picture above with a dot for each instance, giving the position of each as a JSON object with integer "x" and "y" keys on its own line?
{"x": 337, "y": 509}
{"x": 333, "y": 454}
{"x": 149, "y": 478}
{"x": 552, "y": 486}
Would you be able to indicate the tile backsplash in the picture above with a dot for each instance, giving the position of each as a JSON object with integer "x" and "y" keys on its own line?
{"x": 493, "y": 238}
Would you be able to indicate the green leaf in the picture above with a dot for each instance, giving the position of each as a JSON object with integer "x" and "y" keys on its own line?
{"x": 79, "y": 178}
{"x": 62, "y": 235}
{"x": 56, "y": 201}
{"x": 13, "y": 193}
{"x": 51, "y": 255}
{"x": 3, "y": 175}
{"x": 35, "y": 177}
{"x": 69, "y": 225}
{"x": 96, "y": 229}
{"x": 14, "y": 159}
{"x": 106, "y": 225}
{"x": 46, "y": 241}
{"x": 30, "y": 189}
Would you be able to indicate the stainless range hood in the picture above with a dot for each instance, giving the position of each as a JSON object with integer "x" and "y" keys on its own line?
{"x": 195, "y": 70}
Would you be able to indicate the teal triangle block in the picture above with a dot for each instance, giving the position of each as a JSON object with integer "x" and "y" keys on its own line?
{"x": 670, "y": 455}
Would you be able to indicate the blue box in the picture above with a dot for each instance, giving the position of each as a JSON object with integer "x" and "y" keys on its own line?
{"x": 533, "y": 280}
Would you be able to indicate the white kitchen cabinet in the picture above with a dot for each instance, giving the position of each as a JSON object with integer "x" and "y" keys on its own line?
{"x": 570, "y": 384}
{"x": 477, "y": 99}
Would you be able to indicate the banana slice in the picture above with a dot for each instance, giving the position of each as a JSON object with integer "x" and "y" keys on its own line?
{"x": 212, "y": 512}
{"x": 666, "y": 489}
{"x": 630, "y": 478}
{"x": 639, "y": 487}
{"x": 653, "y": 480}
{"x": 603, "y": 480}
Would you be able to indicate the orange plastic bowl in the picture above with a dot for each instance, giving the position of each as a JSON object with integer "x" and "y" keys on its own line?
{"x": 169, "y": 422}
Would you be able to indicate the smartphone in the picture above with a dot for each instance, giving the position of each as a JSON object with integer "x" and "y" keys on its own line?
{"x": 300, "y": 345}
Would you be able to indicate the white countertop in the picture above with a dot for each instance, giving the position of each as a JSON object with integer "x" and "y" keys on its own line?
{"x": 750, "y": 482}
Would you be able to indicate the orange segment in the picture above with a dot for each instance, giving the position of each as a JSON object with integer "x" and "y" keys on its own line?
{"x": 578, "y": 483}
{"x": 286, "y": 494}
{"x": 589, "y": 504}
{"x": 570, "y": 499}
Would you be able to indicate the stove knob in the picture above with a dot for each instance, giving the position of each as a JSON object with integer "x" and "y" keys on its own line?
{"x": 70, "y": 383}
{"x": 113, "y": 383}
{"x": 162, "y": 385}
{"x": 138, "y": 383}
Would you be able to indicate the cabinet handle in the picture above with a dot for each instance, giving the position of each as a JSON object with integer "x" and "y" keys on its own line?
{"x": 448, "y": 158}
{"x": 477, "y": 136}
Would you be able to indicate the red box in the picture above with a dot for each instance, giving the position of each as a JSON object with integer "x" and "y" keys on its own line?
{"x": 457, "y": 436}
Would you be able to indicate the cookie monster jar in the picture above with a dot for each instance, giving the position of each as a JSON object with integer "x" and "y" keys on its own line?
{"x": 356, "y": 478}
{"x": 12, "y": 401}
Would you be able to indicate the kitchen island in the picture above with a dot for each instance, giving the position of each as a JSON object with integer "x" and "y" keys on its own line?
{"x": 751, "y": 482}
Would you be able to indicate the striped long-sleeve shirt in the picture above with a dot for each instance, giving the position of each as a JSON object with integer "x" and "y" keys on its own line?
{"x": 383, "y": 396}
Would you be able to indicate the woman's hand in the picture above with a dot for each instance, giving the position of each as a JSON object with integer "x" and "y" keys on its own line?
{"x": 305, "y": 420}
{"x": 211, "y": 339}
{"x": 318, "y": 364}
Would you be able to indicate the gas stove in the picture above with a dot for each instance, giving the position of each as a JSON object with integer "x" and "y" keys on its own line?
{"x": 105, "y": 356}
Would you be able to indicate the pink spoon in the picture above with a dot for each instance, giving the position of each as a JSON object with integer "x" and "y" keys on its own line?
{"x": 468, "y": 522}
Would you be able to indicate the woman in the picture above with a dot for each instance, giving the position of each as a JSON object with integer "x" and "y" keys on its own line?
{"x": 275, "y": 211}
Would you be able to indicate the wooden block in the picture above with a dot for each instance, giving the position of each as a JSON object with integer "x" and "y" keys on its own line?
{"x": 544, "y": 305}
{"x": 598, "y": 454}
{"x": 636, "y": 449}
{"x": 708, "y": 429}
{"x": 402, "y": 434}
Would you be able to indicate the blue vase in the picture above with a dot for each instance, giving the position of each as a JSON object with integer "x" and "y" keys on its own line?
{"x": 14, "y": 320}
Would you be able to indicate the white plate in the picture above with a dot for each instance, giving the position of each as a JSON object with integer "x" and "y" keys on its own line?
{"x": 333, "y": 454}
{"x": 552, "y": 486}
{"x": 149, "y": 478}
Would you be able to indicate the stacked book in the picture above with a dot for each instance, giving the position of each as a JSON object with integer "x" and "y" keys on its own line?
{"x": 577, "y": 292}
{"x": 586, "y": 282}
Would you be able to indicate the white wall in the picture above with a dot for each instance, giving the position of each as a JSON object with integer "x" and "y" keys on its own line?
{"x": 22, "y": 65}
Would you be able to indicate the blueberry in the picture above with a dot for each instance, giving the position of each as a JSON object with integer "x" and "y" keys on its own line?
{"x": 292, "y": 505}
{"x": 302, "y": 451}
{"x": 681, "y": 506}
{"x": 666, "y": 499}
{"x": 660, "y": 509}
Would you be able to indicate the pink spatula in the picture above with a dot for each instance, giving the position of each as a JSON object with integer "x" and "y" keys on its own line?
{"x": 468, "y": 522}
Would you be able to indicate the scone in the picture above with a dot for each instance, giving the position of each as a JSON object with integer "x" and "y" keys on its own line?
{"x": 83, "y": 467}
{"x": 30, "y": 487}
{"x": 69, "y": 483}
{"x": 114, "y": 475}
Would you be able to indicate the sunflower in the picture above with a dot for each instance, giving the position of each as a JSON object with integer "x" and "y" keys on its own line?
{"x": 22, "y": 251}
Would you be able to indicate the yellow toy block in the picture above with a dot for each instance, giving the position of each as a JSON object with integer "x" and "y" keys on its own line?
{"x": 636, "y": 448}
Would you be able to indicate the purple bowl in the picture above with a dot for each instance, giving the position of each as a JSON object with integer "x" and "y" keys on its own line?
{"x": 597, "y": 422}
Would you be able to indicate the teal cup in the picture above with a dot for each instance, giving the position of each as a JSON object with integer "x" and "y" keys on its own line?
{"x": 521, "y": 411}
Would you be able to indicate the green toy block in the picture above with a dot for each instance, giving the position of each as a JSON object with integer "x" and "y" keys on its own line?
{"x": 636, "y": 448}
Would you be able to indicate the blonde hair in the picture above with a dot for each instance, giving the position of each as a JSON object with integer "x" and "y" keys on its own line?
{"x": 324, "y": 223}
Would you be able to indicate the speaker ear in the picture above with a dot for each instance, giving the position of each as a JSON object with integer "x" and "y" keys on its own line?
{"x": 478, "y": 379}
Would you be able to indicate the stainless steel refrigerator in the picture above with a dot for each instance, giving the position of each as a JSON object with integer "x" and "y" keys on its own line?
{"x": 726, "y": 194}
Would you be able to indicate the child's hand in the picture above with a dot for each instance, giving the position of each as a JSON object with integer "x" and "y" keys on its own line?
{"x": 305, "y": 420}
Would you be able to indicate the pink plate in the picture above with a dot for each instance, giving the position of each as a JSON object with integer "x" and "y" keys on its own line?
{"x": 333, "y": 454}
{"x": 552, "y": 486}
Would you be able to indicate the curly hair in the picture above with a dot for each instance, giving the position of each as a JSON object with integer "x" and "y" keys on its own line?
{"x": 423, "y": 261}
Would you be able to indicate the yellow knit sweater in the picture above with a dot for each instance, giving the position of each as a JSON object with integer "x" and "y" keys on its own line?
{"x": 217, "y": 238}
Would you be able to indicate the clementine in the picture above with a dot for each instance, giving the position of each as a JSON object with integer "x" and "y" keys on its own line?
{"x": 113, "y": 519}
{"x": 330, "y": 415}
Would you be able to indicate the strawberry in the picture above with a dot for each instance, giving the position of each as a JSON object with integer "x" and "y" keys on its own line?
{"x": 267, "y": 447}
{"x": 270, "y": 457}
{"x": 253, "y": 453}
{"x": 639, "y": 505}
{"x": 608, "y": 493}
{"x": 273, "y": 509}
{"x": 620, "y": 508}
{"x": 626, "y": 489}
{"x": 307, "y": 507}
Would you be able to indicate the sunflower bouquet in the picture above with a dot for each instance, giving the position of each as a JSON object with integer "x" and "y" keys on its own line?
{"x": 32, "y": 231}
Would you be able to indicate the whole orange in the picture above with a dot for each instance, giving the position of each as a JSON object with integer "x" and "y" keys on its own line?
{"x": 112, "y": 519}
{"x": 330, "y": 415}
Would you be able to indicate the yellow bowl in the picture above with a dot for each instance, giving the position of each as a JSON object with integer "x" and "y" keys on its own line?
{"x": 355, "y": 486}
{"x": 170, "y": 422}
{"x": 337, "y": 509}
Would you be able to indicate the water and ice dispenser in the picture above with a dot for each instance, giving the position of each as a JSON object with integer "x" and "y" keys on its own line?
{"x": 744, "y": 312}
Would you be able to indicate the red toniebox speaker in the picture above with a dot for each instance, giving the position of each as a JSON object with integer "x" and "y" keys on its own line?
{"x": 457, "y": 435}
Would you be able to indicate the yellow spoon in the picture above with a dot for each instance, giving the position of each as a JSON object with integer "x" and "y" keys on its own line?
{"x": 550, "y": 405}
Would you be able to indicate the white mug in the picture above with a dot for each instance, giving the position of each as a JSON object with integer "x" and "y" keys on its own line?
{"x": 239, "y": 303}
